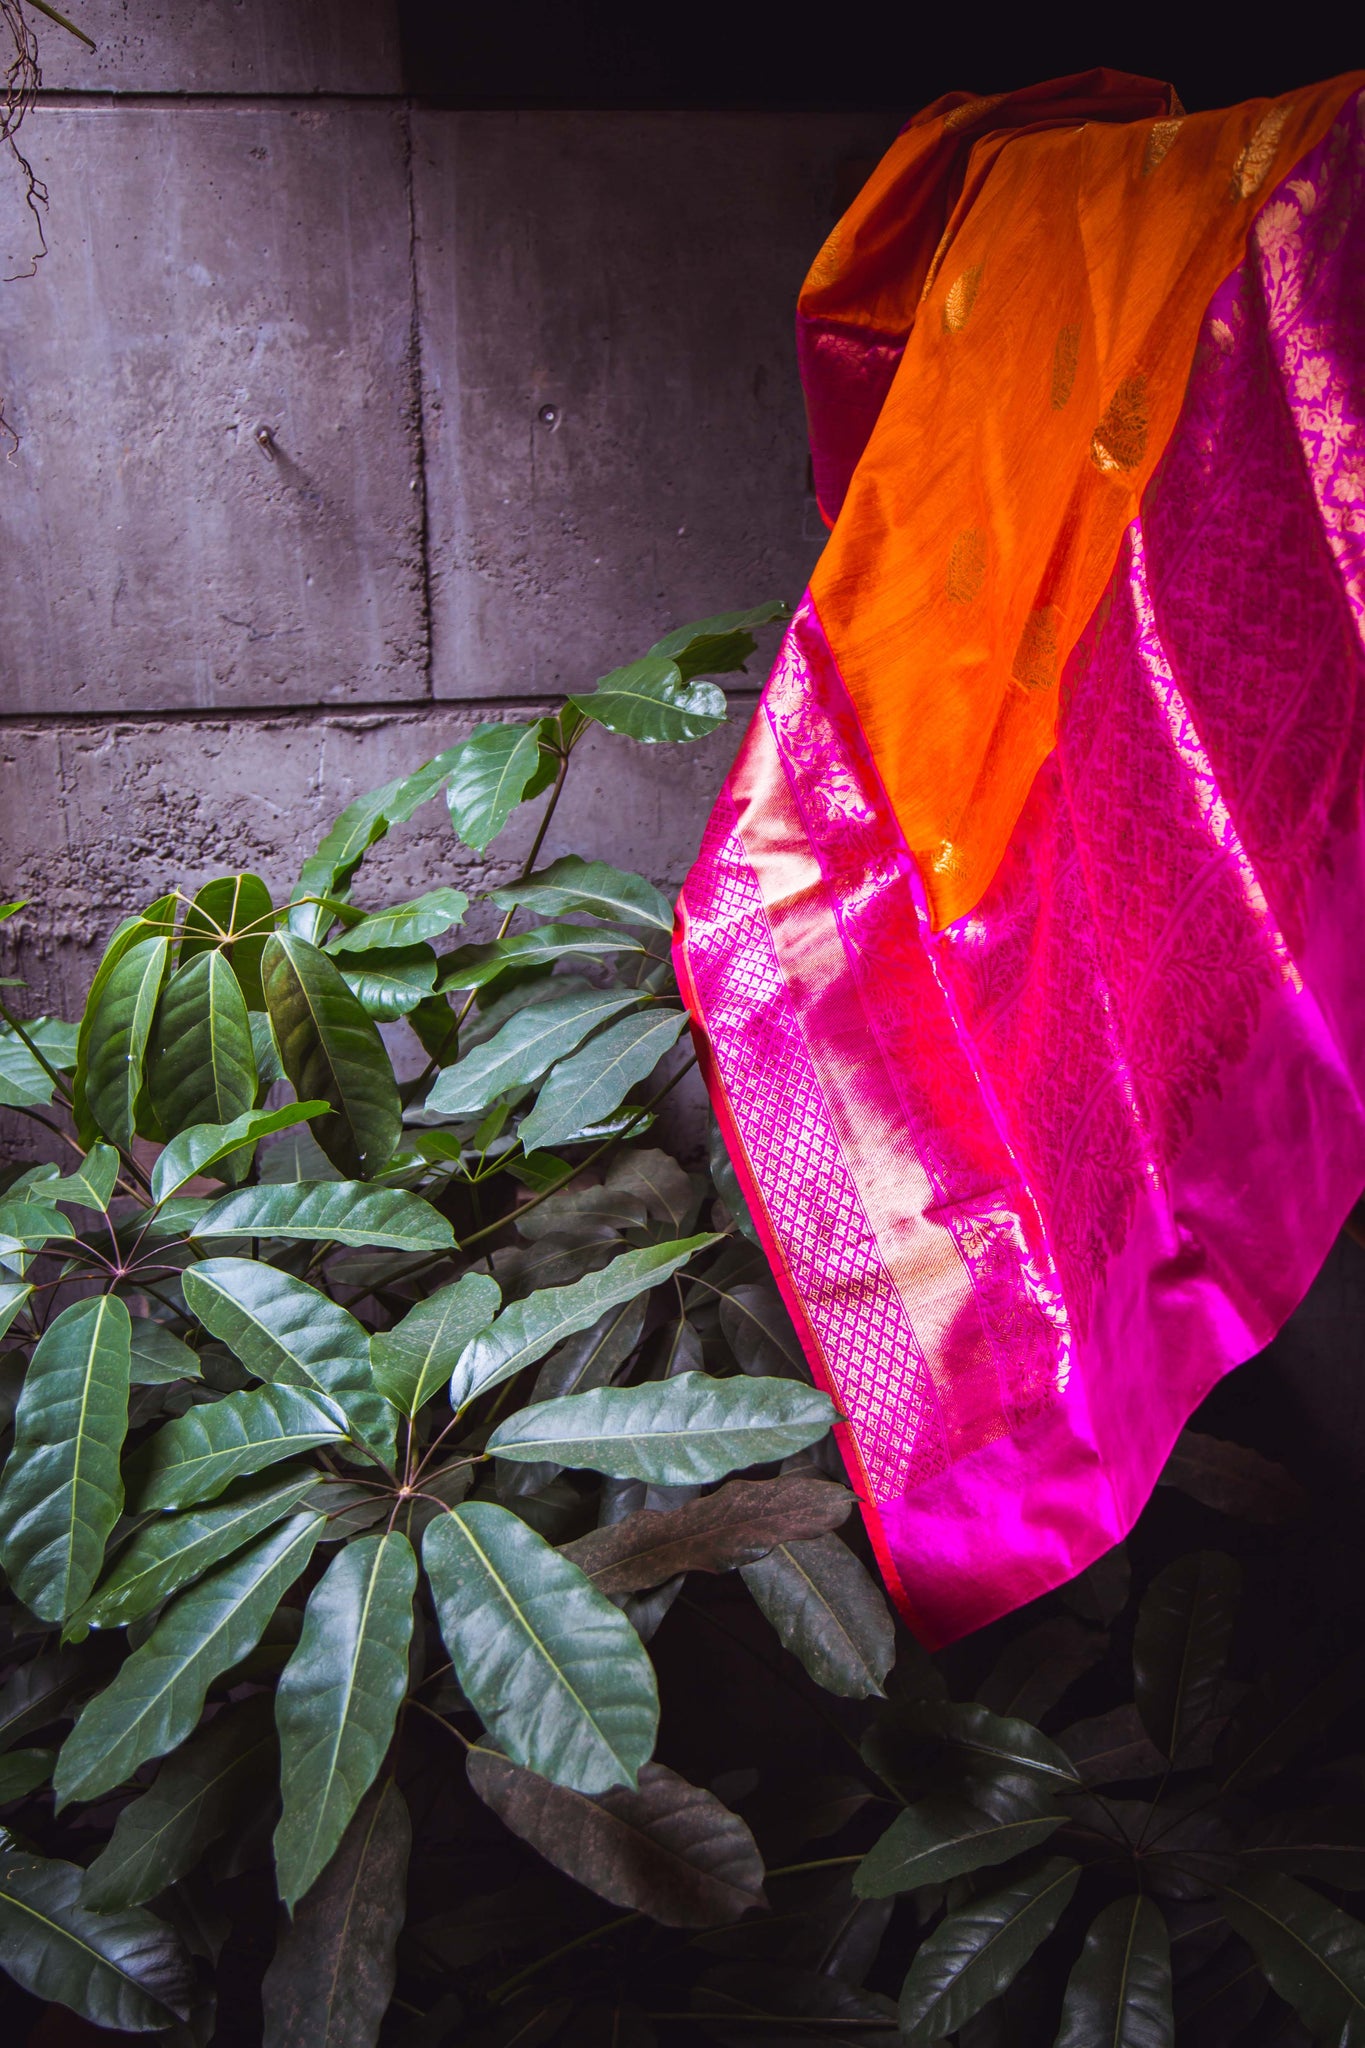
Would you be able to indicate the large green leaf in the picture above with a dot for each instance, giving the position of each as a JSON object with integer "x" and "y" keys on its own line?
{"x": 158, "y": 1695}
{"x": 738, "y": 1523}
{"x": 1180, "y": 1646}
{"x": 414, "y": 1359}
{"x": 649, "y": 700}
{"x": 592, "y": 888}
{"x": 591, "y": 1084}
{"x": 329, "y": 1212}
{"x": 496, "y": 767}
{"x": 204, "y": 1146}
{"x": 561, "y": 1679}
{"x": 62, "y": 1491}
{"x": 39, "y": 1692}
{"x": 159, "y": 1358}
{"x": 358, "y": 827}
{"x": 973, "y": 1955}
{"x": 199, "y": 1791}
{"x": 824, "y": 1605}
{"x": 956, "y": 1829}
{"x": 90, "y": 1186}
{"x": 986, "y": 1741}
{"x": 391, "y": 983}
{"x": 1292, "y": 1705}
{"x": 475, "y": 966}
{"x": 22, "y": 1771}
{"x": 668, "y": 1848}
{"x": 719, "y": 645}
{"x": 526, "y": 1331}
{"x": 338, "y": 1699}
{"x": 202, "y": 1066}
{"x": 156, "y": 921}
{"x": 25, "y": 1227}
{"x": 684, "y": 1431}
{"x": 194, "y": 1456}
{"x": 172, "y": 1550}
{"x": 331, "y": 1049}
{"x": 120, "y": 1019}
{"x": 528, "y": 1044}
{"x": 1312, "y": 1952}
{"x": 24, "y": 1080}
{"x": 126, "y": 1971}
{"x": 426, "y": 917}
{"x": 292, "y": 1334}
{"x": 1119, "y": 1992}
{"x": 13, "y": 1295}
{"x": 332, "y": 1977}
{"x": 234, "y": 912}
{"x": 593, "y": 1356}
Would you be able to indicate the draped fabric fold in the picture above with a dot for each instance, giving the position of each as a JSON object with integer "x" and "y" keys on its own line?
{"x": 1021, "y": 949}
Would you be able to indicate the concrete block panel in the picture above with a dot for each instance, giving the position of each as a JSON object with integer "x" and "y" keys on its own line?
{"x": 98, "y": 818}
{"x": 229, "y": 46}
{"x": 614, "y": 425}
{"x": 217, "y": 275}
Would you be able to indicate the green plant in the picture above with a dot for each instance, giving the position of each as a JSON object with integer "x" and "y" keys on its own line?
{"x": 416, "y": 1419}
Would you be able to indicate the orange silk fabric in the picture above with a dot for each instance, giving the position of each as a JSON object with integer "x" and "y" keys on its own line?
{"x": 1049, "y": 257}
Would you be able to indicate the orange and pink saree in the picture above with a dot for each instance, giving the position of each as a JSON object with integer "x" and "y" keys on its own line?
{"x": 1023, "y": 949}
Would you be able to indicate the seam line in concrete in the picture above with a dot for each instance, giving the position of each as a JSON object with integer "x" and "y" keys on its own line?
{"x": 94, "y": 96}
{"x": 302, "y": 714}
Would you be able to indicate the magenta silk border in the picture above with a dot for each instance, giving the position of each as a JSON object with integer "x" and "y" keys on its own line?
{"x": 1032, "y": 1184}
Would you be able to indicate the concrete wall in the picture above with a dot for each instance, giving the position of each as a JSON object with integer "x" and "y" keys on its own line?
{"x": 343, "y": 423}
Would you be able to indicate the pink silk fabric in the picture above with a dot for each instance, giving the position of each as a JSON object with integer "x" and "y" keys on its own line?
{"x": 1033, "y": 1183}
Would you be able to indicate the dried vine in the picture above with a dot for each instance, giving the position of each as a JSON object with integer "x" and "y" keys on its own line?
{"x": 22, "y": 79}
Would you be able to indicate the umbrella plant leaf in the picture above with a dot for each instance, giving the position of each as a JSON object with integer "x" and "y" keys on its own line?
{"x": 331, "y": 1050}
{"x": 120, "y": 1016}
{"x": 171, "y": 1551}
{"x": 1181, "y": 1644}
{"x": 1312, "y": 1953}
{"x": 562, "y": 1682}
{"x": 414, "y": 1359}
{"x": 523, "y": 1333}
{"x": 329, "y": 1212}
{"x": 737, "y": 1524}
{"x": 475, "y": 966}
{"x": 668, "y": 1849}
{"x": 338, "y": 1699}
{"x": 824, "y": 1605}
{"x": 959, "y": 1828}
{"x": 126, "y": 1971}
{"x": 332, "y": 1977}
{"x": 156, "y": 921}
{"x": 684, "y": 1431}
{"x": 589, "y": 887}
{"x": 233, "y": 912}
{"x": 649, "y": 700}
{"x": 1120, "y": 1989}
{"x": 392, "y": 982}
{"x": 158, "y": 1694}
{"x": 528, "y": 1044}
{"x": 196, "y": 1795}
{"x": 594, "y": 1081}
{"x": 492, "y": 773}
{"x": 426, "y": 917}
{"x": 204, "y": 1146}
{"x": 195, "y": 1455}
{"x": 202, "y": 1065}
{"x": 975, "y": 1953}
{"x": 293, "y": 1335}
{"x": 62, "y": 1491}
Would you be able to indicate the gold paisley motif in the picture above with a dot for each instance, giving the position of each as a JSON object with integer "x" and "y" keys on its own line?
{"x": 967, "y": 566}
{"x": 1065, "y": 357}
{"x": 1037, "y": 658}
{"x": 1252, "y": 166}
{"x": 957, "y": 307}
{"x": 1159, "y": 140}
{"x": 1120, "y": 439}
{"x": 971, "y": 110}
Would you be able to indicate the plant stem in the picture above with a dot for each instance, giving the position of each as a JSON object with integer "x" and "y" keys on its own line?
{"x": 820, "y": 1863}
{"x": 441, "y": 1722}
{"x": 501, "y": 1992}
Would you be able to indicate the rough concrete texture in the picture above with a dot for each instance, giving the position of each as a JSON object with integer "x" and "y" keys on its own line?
{"x": 216, "y": 273}
{"x": 614, "y": 427}
{"x": 230, "y": 46}
{"x": 110, "y": 813}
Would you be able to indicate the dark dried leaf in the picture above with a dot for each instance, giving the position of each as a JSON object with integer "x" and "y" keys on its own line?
{"x": 737, "y": 1524}
{"x": 669, "y": 1849}
{"x": 1038, "y": 1667}
{"x": 1234, "y": 1479}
